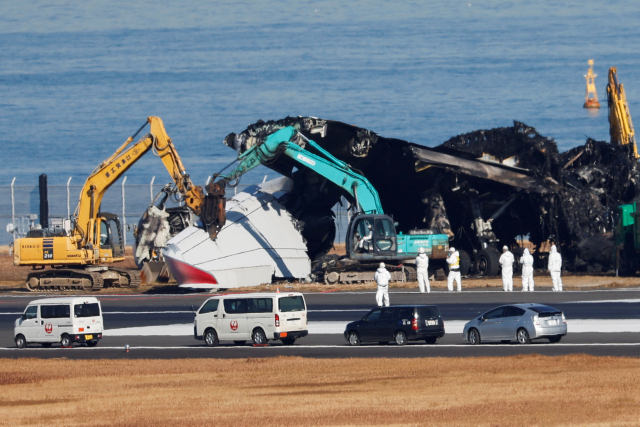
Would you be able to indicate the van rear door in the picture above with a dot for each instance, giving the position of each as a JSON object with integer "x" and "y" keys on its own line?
{"x": 87, "y": 319}
{"x": 293, "y": 313}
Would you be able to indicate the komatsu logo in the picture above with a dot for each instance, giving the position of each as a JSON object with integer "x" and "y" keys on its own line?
{"x": 306, "y": 160}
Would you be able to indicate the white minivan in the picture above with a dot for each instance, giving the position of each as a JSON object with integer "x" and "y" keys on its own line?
{"x": 60, "y": 320}
{"x": 258, "y": 317}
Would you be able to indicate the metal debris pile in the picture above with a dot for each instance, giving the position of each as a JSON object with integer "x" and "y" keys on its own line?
{"x": 483, "y": 188}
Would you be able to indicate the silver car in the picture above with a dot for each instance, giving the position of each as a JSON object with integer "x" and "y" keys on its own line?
{"x": 520, "y": 322}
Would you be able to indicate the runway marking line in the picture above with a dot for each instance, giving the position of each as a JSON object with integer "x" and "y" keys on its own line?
{"x": 302, "y": 347}
{"x": 207, "y": 295}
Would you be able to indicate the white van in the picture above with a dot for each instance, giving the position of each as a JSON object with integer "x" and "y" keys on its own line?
{"x": 258, "y": 317}
{"x": 60, "y": 320}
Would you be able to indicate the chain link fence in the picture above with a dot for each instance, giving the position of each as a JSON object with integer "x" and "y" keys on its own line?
{"x": 20, "y": 205}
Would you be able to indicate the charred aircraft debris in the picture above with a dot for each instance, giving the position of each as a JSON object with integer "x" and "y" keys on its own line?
{"x": 484, "y": 188}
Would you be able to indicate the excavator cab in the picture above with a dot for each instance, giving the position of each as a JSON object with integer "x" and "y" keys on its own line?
{"x": 371, "y": 237}
{"x": 111, "y": 234}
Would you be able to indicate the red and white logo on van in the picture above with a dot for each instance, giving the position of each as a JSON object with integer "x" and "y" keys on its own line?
{"x": 234, "y": 325}
{"x": 48, "y": 328}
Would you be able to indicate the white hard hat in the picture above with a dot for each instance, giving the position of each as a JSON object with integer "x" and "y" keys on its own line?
{"x": 505, "y": 248}
{"x": 421, "y": 250}
{"x": 382, "y": 265}
{"x": 452, "y": 249}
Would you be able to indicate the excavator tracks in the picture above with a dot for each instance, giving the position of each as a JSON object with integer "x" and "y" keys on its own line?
{"x": 409, "y": 274}
{"x": 132, "y": 275}
{"x": 68, "y": 279}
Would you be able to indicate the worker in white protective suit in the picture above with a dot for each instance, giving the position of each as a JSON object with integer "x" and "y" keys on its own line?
{"x": 454, "y": 269}
{"x": 506, "y": 262}
{"x": 527, "y": 271}
{"x": 366, "y": 238}
{"x": 382, "y": 278}
{"x": 422, "y": 264}
{"x": 555, "y": 268}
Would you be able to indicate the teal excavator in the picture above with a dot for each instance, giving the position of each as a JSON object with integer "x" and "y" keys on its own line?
{"x": 371, "y": 235}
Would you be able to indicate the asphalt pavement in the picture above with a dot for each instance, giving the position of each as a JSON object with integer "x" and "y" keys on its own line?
{"x": 159, "y": 326}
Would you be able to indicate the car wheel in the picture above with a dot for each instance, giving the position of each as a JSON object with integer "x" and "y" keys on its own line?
{"x": 65, "y": 341}
{"x": 46, "y": 344}
{"x": 555, "y": 338}
{"x": 258, "y": 337}
{"x": 431, "y": 340}
{"x": 20, "y": 341}
{"x": 92, "y": 343}
{"x": 523, "y": 336}
{"x": 210, "y": 338}
{"x": 401, "y": 338}
{"x": 474, "y": 337}
{"x": 239, "y": 342}
{"x": 354, "y": 339}
{"x": 288, "y": 341}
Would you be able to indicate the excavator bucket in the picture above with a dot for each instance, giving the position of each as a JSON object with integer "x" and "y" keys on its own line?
{"x": 155, "y": 272}
{"x": 214, "y": 213}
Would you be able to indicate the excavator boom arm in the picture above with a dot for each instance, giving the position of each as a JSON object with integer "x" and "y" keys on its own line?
{"x": 282, "y": 143}
{"x": 620, "y": 124}
{"x": 117, "y": 164}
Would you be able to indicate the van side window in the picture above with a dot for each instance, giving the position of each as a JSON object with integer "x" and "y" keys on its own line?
{"x": 387, "y": 314}
{"x": 291, "y": 304}
{"x": 86, "y": 310}
{"x": 260, "y": 305}
{"x": 405, "y": 313}
{"x": 235, "y": 306}
{"x": 210, "y": 306}
{"x": 31, "y": 312}
{"x": 55, "y": 311}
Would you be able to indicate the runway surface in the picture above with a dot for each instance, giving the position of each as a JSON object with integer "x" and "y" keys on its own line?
{"x": 600, "y": 322}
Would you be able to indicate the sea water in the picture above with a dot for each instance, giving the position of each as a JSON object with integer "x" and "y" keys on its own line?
{"x": 78, "y": 78}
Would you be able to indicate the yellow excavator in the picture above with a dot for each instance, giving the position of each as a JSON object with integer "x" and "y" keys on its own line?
{"x": 620, "y": 125}
{"x": 80, "y": 256}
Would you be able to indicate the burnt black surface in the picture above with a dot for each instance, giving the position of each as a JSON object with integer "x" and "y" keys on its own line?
{"x": 585, "y": 184}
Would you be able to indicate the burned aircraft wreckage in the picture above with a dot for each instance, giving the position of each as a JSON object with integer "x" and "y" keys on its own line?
{"x": 483, "y": 189}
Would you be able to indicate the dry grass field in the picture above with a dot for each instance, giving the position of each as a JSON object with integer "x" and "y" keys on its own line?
{"x": 290, "y": 391}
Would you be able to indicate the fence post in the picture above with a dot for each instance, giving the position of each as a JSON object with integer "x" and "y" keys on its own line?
{"x": 124, "y": 218}
{"x": 68, "y": 208}
{"x": 151, "y": 188}
{"x": 13, "y": 208}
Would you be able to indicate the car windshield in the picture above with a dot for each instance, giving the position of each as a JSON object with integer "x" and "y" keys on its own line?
{"x": 86, "y": 310}
{"x": 291, "y": 304}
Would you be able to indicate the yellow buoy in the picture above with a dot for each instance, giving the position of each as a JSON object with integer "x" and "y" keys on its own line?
{"x": 591, "y": 100}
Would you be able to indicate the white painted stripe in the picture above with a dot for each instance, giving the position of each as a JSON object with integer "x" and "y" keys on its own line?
{"x": 393, "y": 291}
{"x": 536, "y": 346}
{"x": 122, "y": 312}
{"x": 603, "y": 301}
{"x": 148, "y": 312}
{"x": 451, "y": 327}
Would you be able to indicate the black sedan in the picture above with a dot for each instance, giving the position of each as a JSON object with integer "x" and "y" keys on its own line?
{"x": 400, "y": 323}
